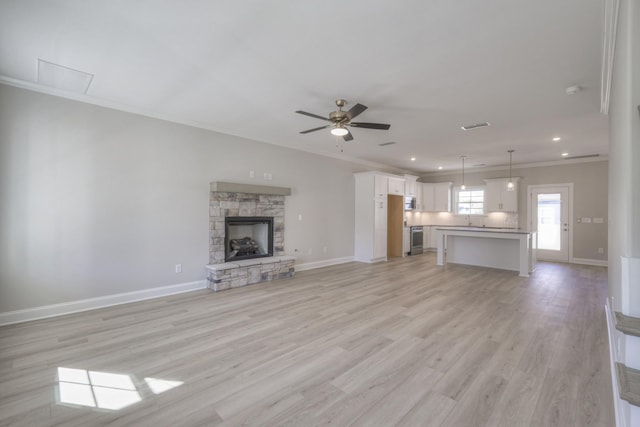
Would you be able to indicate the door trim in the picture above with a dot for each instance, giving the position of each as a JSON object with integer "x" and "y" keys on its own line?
{"x": 569, "y": 186}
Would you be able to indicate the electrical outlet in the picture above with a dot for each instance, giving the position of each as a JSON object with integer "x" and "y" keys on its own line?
{"x": 178, "y": 268}
{"x": 252, "y": 174}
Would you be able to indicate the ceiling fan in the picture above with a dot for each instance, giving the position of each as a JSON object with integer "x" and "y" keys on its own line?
{"x": 340, "y": 120}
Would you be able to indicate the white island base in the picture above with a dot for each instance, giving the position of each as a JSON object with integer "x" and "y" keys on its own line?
{"x": 496, "y": 248}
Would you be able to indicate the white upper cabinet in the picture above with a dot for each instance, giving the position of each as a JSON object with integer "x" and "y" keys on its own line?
{"x": 381, "y": 188}
{"x": 410, "y": 186}
{"x": 498, "y": 198}
{"x": 428, "y": 193}
{"x": 396, "y": 187}
{"x": 442, "y": 197}
{"x": 436, "y": 197}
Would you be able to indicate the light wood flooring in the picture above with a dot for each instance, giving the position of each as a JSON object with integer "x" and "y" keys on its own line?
{"x": 401, "y": 343}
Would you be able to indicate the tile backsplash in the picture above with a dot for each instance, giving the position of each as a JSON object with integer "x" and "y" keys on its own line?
{"x": 492, "y": 219}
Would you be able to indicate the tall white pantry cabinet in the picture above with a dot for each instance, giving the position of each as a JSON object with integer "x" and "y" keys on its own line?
{"x": 371, "y": 192}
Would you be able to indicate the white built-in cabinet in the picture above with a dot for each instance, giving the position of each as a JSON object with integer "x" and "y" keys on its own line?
{"x": 379, "y": 230}
{"x": 498, "y": 198}
{"x": 436, "y": 197}
{"x": 371, "y": 191}
{"x": 381, "y": 185}
{"x": 396, "y": 187}
{"x": 410, "y": 186}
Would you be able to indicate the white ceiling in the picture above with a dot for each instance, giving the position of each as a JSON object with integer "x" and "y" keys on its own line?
{"x": 425, "y": 67}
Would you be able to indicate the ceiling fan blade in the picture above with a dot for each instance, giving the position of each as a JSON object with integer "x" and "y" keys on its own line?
{"x": 348, "y": 136}
{"x": 315, "y": 129}
{"x": 370, "y": 125}
{"x": 312, "y": 115}
{"x": 356, "y": 110}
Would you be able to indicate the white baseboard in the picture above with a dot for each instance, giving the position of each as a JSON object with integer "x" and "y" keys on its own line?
{"x": 46, "y": 311}
{"x": 588, "y": 261}
{"x": 323, "y": 263}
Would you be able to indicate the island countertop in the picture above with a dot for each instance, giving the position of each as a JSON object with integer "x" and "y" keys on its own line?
{"x": 482, "y": 229}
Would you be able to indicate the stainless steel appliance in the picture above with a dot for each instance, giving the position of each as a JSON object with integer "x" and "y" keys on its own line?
{"x": 409, "y": 203}
{"x": 417, "y": 238}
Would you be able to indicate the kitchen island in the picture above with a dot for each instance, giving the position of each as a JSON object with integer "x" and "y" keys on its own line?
{"x": 506, "y": 249}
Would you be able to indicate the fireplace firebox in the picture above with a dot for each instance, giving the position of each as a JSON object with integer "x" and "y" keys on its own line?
{"x": 248, "y": 237}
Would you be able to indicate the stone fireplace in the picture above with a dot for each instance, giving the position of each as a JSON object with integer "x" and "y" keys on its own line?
{"x": 248, "y": 220}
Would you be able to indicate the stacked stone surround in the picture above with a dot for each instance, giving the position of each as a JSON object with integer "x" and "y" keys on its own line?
{"x": 224, "y": 275}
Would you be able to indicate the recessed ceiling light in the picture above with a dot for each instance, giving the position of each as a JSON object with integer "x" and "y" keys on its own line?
{"x": 440, "y": 168}
{"x": 565, "y": 154}
{"x": 556, "y": 138}
{"x": 413, "y": 159}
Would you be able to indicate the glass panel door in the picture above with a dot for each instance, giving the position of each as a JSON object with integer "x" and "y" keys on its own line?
{"x": 550, "y": 207}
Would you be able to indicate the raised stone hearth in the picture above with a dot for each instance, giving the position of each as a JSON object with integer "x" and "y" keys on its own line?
{"x": 249, "y": 271}
{"x": 245, "y": 200}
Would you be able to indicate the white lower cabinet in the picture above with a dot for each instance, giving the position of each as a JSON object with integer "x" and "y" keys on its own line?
{"x": 406, "y": 240}
{"x": 432, "y": 242}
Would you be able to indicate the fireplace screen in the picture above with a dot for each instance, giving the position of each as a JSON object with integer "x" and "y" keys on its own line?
{"x": 248, "y": 237}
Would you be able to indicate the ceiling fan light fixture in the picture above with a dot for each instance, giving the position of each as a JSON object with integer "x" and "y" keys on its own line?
{"x": 339, "y": 131}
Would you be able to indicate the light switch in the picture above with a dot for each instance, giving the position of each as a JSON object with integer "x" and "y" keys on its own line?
{"x": 598, "y": 220}
{"x": 586, "y": 220}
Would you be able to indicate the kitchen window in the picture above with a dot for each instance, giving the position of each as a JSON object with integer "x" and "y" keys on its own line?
{"x": 470, "y": 201}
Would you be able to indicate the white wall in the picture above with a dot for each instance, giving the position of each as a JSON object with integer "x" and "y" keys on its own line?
{"x": 624, "y": 125}
{"x": 97, "y": 202}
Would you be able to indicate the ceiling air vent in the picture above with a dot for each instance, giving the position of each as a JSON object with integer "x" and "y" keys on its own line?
{"x": 476, "y": 126}
{"x": 63, "y": 78}
{"x": 384, "y": 144}
{"x": 586, "y": 156}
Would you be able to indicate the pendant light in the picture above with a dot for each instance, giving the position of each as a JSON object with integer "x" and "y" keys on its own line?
{"x": 462, "y": 187}
{"x": 510, "y": 186}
